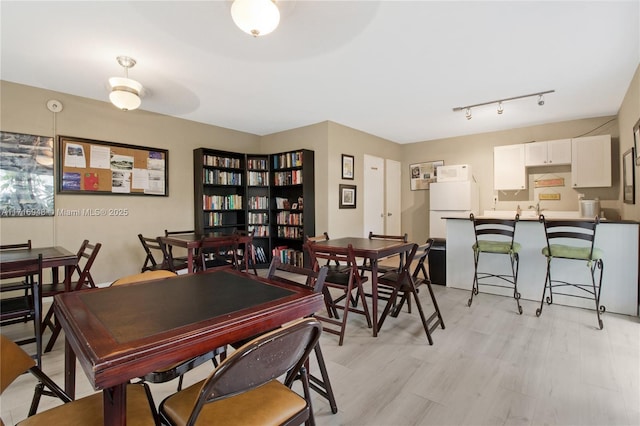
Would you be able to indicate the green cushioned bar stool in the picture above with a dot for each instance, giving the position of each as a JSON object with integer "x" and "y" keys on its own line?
{"x": 573, "y": 240}
{"x": 496, "y": 237}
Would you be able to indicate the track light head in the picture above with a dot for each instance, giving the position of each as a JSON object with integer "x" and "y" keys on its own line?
{"x": 540, "y": 100}
{"x": 468, "y": 113}
{"x": 500, "y": 109}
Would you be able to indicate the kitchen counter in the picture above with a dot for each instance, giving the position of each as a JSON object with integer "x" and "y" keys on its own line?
{"x": 618, "y": 239}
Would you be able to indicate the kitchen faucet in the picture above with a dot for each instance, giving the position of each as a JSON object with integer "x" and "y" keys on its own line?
{"x": 538, "y": 209}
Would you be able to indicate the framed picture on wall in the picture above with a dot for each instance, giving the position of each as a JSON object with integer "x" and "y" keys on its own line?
{"x": 347, "y": 166}
{"x": 636, "y": 141}
{"x": 629, "y": 177}
{"x": 347, "y": 197}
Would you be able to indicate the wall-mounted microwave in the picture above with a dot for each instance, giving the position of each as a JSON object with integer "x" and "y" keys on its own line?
{"x": 454, "y": 173}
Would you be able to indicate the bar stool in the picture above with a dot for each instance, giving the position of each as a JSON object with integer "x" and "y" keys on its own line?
{"x": 573, "y": 240}
{"x": 495, "y": 236}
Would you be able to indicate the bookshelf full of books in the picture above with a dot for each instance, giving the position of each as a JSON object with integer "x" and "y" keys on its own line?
{"x": 293, "y": 204}
{"x": 258, "y": 206}
{"x": 270, "y": 195}
{"x": 219, "y": 182}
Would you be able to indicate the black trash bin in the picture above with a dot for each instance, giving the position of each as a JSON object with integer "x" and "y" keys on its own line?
{"x": 438, "y": 261}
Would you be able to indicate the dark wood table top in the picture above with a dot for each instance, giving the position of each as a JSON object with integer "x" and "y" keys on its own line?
{"x": 120, "y": 333}
{"x": 365, "y": 247}
{"x": 51, "y": 256}
{"x": 191, "y": 240}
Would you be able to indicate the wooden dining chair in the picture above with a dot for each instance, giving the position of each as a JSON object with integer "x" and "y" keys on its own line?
{"x": 168, "y": 233}
{"x": 87, "y": 254}
{"x": 245, "y": 256}
{"x": 349, "y": 284}
{"x": 176, "y": 370}
{"x": 382, "y": 268}
{"x": 86, "y": 411}
{"x": 404, "y": 284}
{"x": 245, "y": 389}
{"x": 166, "y": 260}
{"x": 23, "y": 246}
{"x": 217, "y": 253}
{"x": 28, "y": 304}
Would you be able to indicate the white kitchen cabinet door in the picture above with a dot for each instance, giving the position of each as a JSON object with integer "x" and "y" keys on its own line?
{"x": 509, "y": 171}
{"x": 559, "y": 152}
{"x": 591, "y": 161}
{"x": 548, "y": 153}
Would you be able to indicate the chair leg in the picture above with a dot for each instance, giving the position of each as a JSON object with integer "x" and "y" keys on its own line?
{"x": 596, "y": 290}
{"x": 435, "y": 304}
{"x": 421, "y": 312}
{"x": 474, "y": 287}
{"x": 323, "y": 385}
{"x": 547, "y": 283}
{"x": 515, "y": 265}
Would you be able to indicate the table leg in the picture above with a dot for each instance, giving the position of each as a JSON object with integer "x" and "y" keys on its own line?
{"x": 374, "y": 295}
{"x": 190, "y": 260}
{"x": 114, "y": 404}
{"x": 69, "y": 370}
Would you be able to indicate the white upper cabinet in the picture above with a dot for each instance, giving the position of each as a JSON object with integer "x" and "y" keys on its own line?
{"x": 548, "y": 153}
{"x": 591, "y": 161}
{"x": 509, "y": 172}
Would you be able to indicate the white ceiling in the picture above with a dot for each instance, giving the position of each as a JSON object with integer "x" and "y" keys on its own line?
{"x": 390, "y": 68}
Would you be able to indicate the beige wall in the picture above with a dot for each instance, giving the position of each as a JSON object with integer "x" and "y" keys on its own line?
{"x": 23, "y": 110}
{"x": 345, "y": 140}
{"x": 628, "y": 116}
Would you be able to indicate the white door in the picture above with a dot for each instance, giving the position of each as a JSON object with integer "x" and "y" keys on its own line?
{"x": 393, "y": 197}
{"x": 374, "y": 209}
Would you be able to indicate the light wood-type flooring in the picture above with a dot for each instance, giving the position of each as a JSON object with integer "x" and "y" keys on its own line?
{"x": 490, "y": 366}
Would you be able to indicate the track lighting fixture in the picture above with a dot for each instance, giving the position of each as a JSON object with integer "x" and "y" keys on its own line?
{"x": 500, "y": 110}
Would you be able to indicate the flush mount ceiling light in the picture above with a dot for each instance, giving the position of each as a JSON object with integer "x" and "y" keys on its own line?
{"x": 255, "y": 17}
{"x": 125, "y": 92}
{"x": 500, "y": 110}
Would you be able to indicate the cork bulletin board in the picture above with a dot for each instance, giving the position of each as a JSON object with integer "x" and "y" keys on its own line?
{"x": 96, "y": 167}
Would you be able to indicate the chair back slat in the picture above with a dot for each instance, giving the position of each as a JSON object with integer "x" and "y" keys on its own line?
{"x": 494, "y": 229}
{"x": 26, "y": 246}
{"x": 404, "y": 238}
{"x": 89, "y": 252}
{"x": 312, "y": 279}
{"x": 568, "y": 232}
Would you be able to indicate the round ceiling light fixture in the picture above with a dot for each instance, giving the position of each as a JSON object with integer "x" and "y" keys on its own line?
{"x": 125, "y": 92}
{"x": 255, "y": 17}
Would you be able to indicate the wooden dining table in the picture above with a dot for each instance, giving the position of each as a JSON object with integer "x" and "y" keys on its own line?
{"x": 52, "y": 257}
{"x": 124, "y": 332}
{"x": 191, "y": 241}
{"x": 373, "y": 250}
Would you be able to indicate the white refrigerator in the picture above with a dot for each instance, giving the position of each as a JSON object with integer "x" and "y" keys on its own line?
{"x": 451, "y": 199}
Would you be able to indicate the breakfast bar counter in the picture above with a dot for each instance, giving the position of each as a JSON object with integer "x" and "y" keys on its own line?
{"x": 618, "y": 239}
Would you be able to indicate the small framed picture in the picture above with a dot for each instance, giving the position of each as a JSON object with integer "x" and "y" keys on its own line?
{"x": 347, "y": 166}
{"x": 347, "y": 197}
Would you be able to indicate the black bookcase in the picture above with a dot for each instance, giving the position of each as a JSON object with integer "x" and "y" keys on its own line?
{"x": 292, "y": 204}
{"x": 272, "y": 195}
